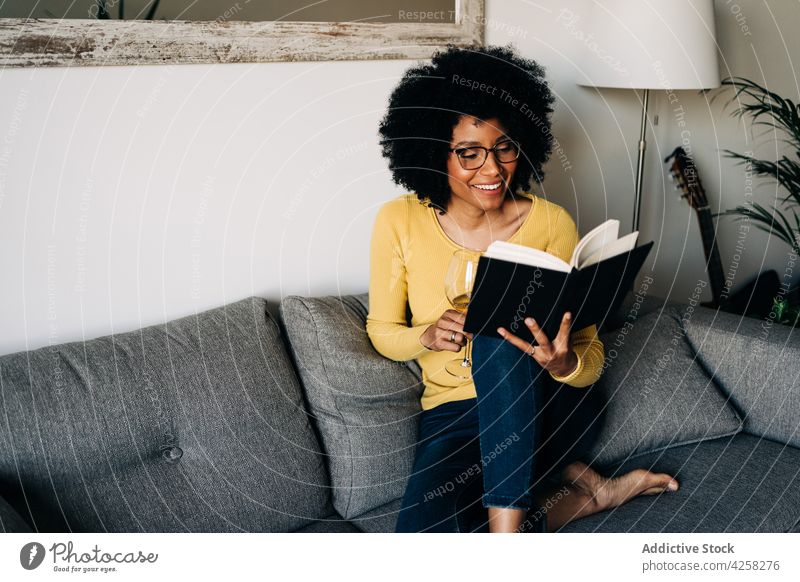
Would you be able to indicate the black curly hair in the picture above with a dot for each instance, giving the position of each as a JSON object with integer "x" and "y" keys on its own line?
{"x": 484, "y": 82}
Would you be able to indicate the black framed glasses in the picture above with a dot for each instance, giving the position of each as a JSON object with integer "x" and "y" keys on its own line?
{"x": 473, "y": 157}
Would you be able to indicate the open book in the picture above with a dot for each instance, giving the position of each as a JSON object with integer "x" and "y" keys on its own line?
{"x": 513, "y": 282}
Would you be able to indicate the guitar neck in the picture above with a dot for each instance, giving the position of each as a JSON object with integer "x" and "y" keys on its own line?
{"x": 716, "y": 274}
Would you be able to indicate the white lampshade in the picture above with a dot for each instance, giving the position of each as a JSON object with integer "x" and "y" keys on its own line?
{"x": 647, "y": 44}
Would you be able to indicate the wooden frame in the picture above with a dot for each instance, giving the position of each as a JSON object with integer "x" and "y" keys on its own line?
{"x": 58, "y": 43}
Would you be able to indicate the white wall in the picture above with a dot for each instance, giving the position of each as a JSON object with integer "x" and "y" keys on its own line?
{"x": 133, "y": 195}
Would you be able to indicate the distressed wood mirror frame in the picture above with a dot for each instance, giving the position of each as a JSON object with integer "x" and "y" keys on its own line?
{"x": 58, "y": 43}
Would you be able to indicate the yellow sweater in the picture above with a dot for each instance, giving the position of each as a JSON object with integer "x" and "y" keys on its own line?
{"x": 409, "y": 255}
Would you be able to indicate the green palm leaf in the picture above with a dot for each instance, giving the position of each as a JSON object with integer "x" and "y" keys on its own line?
{"x": 766, "y": 108}
{"x": 780, "y": 116}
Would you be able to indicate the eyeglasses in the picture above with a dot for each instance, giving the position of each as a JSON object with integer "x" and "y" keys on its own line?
{"x": 473, "y": 157}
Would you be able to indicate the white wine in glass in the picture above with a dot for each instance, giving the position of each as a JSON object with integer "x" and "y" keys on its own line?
{"x": 458, "y": 288}
{"x": 461, "y": 302}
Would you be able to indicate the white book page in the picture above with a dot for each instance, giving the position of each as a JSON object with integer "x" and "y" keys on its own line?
{"x": 617, "y": 247}
{"x": 595, "y": 240}
{"x": 523, "y": 255}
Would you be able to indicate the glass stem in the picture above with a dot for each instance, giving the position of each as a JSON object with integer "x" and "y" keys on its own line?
{"x": 467, "y": 362}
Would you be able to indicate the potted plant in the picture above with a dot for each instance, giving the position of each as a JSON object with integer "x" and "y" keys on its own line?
{"x": 786, "y": 313}
{"x": 782, "y": 116}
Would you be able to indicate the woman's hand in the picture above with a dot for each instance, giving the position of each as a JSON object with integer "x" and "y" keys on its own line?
{"x": 447, "y": 333}
{"x": 556, "y": 357}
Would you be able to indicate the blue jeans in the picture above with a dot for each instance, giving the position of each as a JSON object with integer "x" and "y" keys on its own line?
{"x": 500, "y": 449}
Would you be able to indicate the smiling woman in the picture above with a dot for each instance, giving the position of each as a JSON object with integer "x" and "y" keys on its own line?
{"x": 431, "y": 100}
{"x": 468, "y": 134}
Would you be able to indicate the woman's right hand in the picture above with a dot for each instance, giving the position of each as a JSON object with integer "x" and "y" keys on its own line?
{"x": 437, "y": 336}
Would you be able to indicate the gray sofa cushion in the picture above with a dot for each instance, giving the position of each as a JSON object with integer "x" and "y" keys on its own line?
{"x": 195, "y": 425}
{"x": 382, "y": 519}
{"x": 735, "y": 484}
{"x": 739, "y": 483}
{"x": 10, "y": 521}
{"x": 365, "y": 405}
{"x": 655, "y": 393}
{"x": 333, "y": 523}
{"x": 757, "y": 363}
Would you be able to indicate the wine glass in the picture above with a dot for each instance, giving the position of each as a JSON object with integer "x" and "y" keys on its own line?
{"x": 458, "y": 287}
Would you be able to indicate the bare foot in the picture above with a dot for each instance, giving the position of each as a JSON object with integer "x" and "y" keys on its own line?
{"x": 607, "y": 493}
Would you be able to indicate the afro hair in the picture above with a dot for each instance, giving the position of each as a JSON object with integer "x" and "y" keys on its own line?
{"x": 483, "y": 82}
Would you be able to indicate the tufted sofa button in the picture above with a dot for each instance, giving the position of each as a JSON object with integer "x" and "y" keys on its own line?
{"x": 172, "y": 454}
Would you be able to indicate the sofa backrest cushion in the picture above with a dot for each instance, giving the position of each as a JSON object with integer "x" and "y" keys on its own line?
{"x": 757, "y": 363}
{"x": 365, "y": 405}
{"x": 194, "y": 425}
{"x": 655, "y": 393}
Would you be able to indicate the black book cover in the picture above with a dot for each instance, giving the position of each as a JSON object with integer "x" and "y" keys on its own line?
{"x": 505, "y": 293}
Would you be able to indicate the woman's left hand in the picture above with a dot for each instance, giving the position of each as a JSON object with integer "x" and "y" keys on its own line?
{"x": 556, "y": 357}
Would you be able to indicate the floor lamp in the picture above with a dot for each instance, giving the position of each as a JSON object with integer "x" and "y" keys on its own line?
{"x": 665, "y": 45}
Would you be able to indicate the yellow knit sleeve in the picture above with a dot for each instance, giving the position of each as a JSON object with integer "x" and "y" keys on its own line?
{"x": 387, "y": 327}
{"x": 591, "y": 353}
{"x": 585, "y": 343}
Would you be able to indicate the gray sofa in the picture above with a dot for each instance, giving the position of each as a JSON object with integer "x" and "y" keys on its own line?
{"x": 234, "y": 420}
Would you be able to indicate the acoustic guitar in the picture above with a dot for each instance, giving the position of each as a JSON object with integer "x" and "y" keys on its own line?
{"x": 755, "y": 298}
